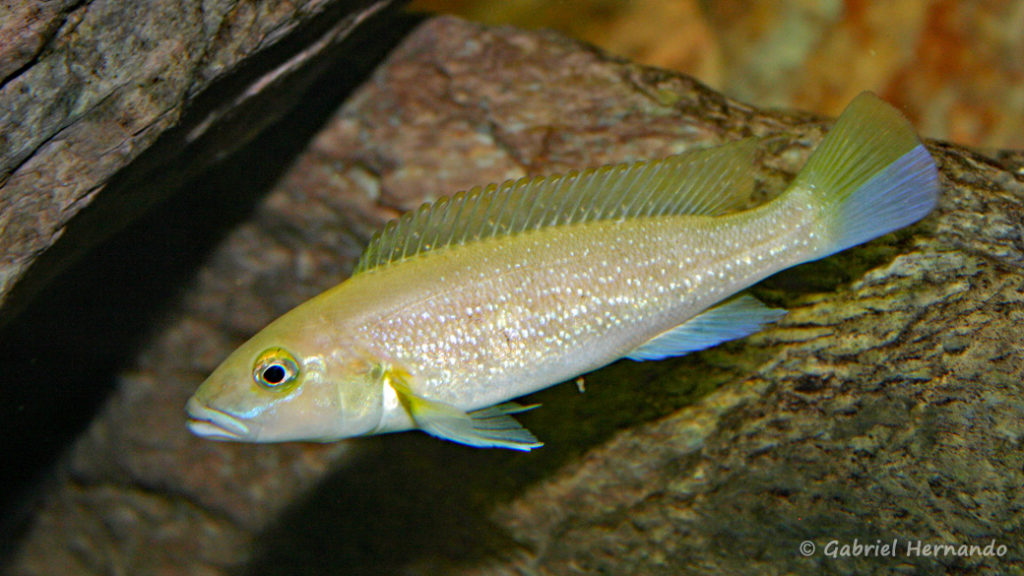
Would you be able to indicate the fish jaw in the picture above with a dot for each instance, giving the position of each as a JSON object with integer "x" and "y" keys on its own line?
{"x": 214, "y": 424}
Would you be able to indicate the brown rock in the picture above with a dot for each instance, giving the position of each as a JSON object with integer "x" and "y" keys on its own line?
{"x": 887, "y": 405}
{"x": 87, "y": 87}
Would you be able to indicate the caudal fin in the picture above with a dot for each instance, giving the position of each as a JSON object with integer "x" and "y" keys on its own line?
{"x": 871, "y": 173}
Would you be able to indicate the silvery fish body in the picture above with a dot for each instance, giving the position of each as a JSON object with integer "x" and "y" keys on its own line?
{"x": 495, "y": 320}
{"x": 494, "y": 293}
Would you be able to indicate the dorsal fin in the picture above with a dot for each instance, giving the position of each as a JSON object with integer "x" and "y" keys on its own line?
{"x": 707, "y": 182}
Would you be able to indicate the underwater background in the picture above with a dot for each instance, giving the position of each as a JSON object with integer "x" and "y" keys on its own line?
{"x": 953, "y": 67}
{"x": 887, "y": 407}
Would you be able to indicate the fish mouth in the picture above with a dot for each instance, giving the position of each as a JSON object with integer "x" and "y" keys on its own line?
{"x": 214, "y": 424}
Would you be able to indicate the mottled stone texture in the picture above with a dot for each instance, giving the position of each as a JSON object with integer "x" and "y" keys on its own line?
{"x": 87, "y": 86}
{"x": 887, "y": 405}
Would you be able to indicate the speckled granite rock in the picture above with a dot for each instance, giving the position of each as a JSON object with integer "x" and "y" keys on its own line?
{"x": 886, "y": 405}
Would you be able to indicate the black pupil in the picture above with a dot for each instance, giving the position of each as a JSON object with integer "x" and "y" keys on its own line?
{"x": 273, "y": 374}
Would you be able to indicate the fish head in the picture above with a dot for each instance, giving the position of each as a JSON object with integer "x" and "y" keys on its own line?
{"x": 277, "y": 389}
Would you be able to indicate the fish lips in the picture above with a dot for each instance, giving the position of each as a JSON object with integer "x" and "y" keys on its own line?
{"x": 214, "y": 424}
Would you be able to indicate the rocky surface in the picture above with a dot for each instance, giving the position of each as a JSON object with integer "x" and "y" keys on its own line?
{"x": 887, "y": 405}
{"x": 86, "y": 87}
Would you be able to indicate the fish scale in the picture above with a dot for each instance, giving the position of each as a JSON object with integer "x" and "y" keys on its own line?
{"x": 462, "y": 305}
{"x": 569, "y": 303}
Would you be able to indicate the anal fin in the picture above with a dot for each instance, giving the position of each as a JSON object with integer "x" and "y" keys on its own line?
{"x": 491, "y": 427}
{"x": 735, "y": 318}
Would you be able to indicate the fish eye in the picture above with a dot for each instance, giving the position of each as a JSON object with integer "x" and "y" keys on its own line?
{"x": 275, "y": 368}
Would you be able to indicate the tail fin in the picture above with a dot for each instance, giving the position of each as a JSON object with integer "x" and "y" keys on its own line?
{"x": 871, "y": 173}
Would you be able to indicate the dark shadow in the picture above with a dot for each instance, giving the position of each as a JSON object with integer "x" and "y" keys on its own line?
{"x": 412, "y": 504}
{"x": 828, "y": 274}
{"x": 67, "y": 346}
{"x": 408, "y": 500}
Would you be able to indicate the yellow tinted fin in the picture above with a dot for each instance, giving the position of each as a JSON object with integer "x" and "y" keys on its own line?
{"x": 700, "y": 182}
{"x": 487, "y": 428}
{"x": 871, "y": 175}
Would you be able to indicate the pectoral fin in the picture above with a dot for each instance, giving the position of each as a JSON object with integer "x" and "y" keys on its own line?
{"x": 732, "y": 319}
{"x": 486, "y": 428}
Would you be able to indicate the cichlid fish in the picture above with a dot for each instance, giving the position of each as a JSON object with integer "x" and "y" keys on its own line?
{"x": 490, "y": 294}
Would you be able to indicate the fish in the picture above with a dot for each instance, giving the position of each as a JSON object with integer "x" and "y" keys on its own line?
{"x": 459, "y": 307}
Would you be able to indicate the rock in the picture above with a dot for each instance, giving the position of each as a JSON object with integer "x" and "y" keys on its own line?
{"x": 105, "y": 113}
{"x": 86, "y": 88}
{"x": 886, "y": 406}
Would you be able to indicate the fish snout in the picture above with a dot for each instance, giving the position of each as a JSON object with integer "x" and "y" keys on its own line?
{"x": 214, "y": 424}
